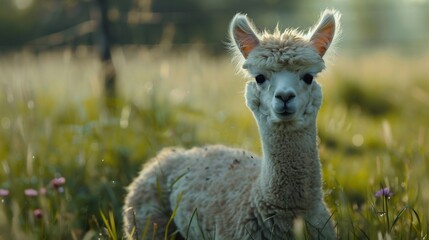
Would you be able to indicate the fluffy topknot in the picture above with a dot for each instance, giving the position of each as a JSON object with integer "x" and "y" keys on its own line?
{"x": 288, "y": 49}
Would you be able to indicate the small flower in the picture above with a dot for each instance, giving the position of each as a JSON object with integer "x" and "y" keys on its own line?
{"x": 42, "y": 191}
{"x": 4, "y": 192}
{"x": 37, "y": 213}
{"x": 58, "y": 182}
{"x": 385, "y": 192}
{"x": 30, "y": 192}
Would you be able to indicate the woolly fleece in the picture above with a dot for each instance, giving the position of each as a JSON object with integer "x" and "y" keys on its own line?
{"x": 231, "y": 193}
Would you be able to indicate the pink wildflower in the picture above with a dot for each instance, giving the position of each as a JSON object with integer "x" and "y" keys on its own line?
{"x": 30, "y": 192}
{"x": 58, "y": 182}
{"x": 37, "y": 213}
{"x": 42, "y": 191}
{"x": 4, "y": 192}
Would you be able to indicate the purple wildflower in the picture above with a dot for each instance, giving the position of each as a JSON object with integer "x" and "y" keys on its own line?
{"x": 384, "y": 192}
{"x": 37, "y": 213}
{"x": 30, "y": 192}
{"x": 4, "y": 192}
{"x": 58, "y": 182}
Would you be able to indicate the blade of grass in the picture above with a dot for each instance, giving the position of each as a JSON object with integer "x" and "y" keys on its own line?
{"x": 110, "y": 225}
{"x": 398, "y": 216}
{"x": 131, "y": 236}
{"x": 386, "y": 209}
{"x": 329, "y": 219}
{"x": 364, "y": 233}
{"x": 190, "y": 222}
{"x": 401, "y": 212}
{"x": 195, "y": 213}
{"x": 177, "y": 179}
{"x": 113, "y": 224}
{"x": 145, "y": 229}
{"x": 418, "y": 218}
{"x": 155, "y": 230}
{"x": 199, "y": 227}
{"x": 179, "y": 199}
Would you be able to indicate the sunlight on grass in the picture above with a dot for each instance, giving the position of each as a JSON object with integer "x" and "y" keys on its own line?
{"x": 372, "y": 126}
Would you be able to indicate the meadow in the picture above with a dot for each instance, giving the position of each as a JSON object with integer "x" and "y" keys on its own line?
{"x": 65, "y": 159}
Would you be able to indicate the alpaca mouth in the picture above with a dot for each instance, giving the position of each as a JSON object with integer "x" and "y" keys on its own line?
{"x": 282, "y": 110}
{"x": 285, "y": 115}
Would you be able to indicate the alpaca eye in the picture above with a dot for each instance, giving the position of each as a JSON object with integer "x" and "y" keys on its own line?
{"x": 307, "y": 78}
{"x": 260, "y": 79}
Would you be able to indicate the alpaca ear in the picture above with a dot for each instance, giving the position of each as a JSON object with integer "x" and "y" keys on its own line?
{"x": 323, "y": 34}
{"x": 243, "y": 34}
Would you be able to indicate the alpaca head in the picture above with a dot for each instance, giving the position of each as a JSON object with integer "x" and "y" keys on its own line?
{"x": 283, "y": 65}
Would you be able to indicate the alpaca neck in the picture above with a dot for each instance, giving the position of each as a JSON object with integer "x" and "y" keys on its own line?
{"x": 290, "y": 172}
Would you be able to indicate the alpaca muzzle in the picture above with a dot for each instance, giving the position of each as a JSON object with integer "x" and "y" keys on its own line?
{"x": 284, "y": 103}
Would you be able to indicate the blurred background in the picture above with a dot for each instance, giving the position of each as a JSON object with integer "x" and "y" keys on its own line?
{"x": 48, "y": 24}
{"x": 91, "y": 89}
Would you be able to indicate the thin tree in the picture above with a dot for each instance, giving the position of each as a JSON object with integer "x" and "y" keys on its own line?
{"x": 104, "y": 43}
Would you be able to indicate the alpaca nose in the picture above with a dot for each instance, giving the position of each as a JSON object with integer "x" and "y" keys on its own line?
{"x": 284, "y": 102}
{"x": 285, "y": 96}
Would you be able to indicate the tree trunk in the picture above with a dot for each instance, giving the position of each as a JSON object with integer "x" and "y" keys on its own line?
{"x": 108, "y": 69}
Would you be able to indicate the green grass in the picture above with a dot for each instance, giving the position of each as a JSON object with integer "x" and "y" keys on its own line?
{"x": 373, "y": 130}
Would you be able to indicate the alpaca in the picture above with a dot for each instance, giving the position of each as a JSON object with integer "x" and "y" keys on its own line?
{"x": 217, "y": 192}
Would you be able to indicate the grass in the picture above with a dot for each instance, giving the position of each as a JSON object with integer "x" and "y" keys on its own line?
{"x": 372, "y": 126}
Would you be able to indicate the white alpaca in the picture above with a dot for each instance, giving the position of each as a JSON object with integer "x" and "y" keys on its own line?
{"x": 234, "y": 194}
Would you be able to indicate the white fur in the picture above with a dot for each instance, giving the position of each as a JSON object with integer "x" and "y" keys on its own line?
{"x": 235, "y": 194}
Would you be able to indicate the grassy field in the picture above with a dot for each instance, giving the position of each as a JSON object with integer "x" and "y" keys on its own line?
{"x": 65, "y": 159}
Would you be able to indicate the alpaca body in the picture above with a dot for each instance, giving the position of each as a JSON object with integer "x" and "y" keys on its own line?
{"x": 228, "y": 193}
{"x": 218, "y": 192}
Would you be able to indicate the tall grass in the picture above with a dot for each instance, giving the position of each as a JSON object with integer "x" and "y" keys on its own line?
{"x": 373, "y": 130}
